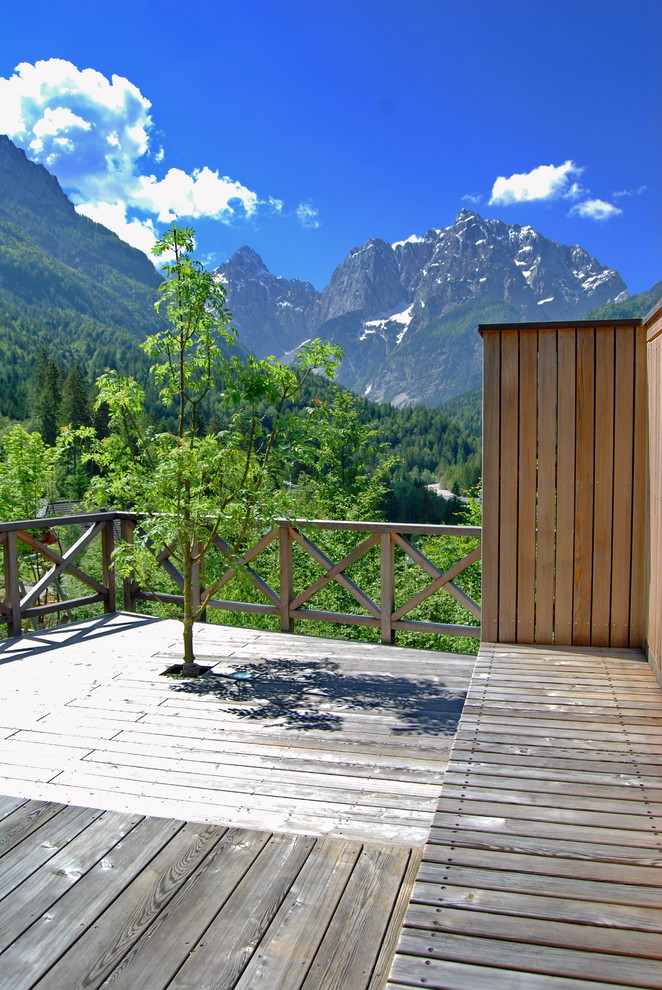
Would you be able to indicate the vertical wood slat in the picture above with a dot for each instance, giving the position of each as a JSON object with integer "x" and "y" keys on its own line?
{"x": 286, "y": 577}
{"x": 603, "y": 488}
{"x": 653, "y": 572}
{"x": 546, "y": 524}
{"x": 527, "y": 487}
{"x": 491, "y": 494}
{"x": 623, "y": 487}
{"x": 107, "y": 547}
{"x": 585, "y": 474}
{"x": 640, "y": 484}
{"x": 387, "y": 598}
{"x": 565, "y": 510}
{"x": 508, "y": 486}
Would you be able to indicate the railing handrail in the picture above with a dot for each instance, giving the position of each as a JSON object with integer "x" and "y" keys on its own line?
{"x": 48, "y": 522}
{"x": 415, "y": 529}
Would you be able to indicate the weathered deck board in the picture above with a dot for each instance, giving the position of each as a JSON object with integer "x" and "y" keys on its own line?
{"x": 325, "y": 737}
{"x": 106, "y": 899}
{"x": 542, "y": 868}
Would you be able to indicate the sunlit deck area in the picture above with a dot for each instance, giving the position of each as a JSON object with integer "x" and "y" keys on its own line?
{"x": 309, "y": 784}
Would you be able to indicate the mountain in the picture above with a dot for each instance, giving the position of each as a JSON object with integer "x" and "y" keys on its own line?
{"x": 636, "y": 306}
{"x": 272, "y": 311}
{"x": 406, "y": 313}
{"x": 66, "y": 284}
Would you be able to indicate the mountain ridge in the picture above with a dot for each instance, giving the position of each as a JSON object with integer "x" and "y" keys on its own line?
{"x": 406, "y": 313}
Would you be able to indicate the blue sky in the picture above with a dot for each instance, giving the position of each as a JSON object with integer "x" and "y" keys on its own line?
{"x": 304, "y": 128}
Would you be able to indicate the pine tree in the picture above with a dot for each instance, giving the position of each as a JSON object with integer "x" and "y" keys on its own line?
{"x": 75, "y": 404}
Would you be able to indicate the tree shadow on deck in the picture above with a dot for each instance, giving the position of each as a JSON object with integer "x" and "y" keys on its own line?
{"x": 300, "y": 694}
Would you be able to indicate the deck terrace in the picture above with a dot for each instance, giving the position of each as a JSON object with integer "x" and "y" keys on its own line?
{"x": 542, "y": 870}
{"x": 227, "y": 832}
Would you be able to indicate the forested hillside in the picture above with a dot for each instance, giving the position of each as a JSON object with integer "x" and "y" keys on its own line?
{"x": 66, "y": 284}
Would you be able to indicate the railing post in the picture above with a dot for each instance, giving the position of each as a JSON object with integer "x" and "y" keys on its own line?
{"x": 286, "y": 578}
{"x": 12, "y": 584}
{"x": 107, "y": 547}
{"x": 387, "y": 586}
{"x": 127, "y": 527}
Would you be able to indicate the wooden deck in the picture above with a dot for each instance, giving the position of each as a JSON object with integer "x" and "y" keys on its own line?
{"x": 318, "y": 736}
{"x": 100, "y": 898}
{"x": 542, "y": 871}
{"x": 223, "y": 833}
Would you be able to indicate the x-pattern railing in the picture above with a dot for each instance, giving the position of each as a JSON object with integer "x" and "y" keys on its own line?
{"x": 24, "y": 603}
{"x": 42, "y": 597}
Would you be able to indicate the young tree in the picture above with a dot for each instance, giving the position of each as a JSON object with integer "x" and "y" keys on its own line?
{"x": 187, "y": 487}
{"x": 27, "y": 474}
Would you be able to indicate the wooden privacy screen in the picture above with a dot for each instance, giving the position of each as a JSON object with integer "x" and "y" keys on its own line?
{"x": 564, "y": 464}
{"x": 654, "y": 556}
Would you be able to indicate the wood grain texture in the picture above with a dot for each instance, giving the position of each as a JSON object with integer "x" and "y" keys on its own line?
{"x": 508, "y": 487}
{"x": 491, "y": 490}
{"x": 528, "y": 487}
{"x": 542, "y": 867}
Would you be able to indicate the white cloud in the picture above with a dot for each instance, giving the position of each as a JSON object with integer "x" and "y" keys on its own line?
{"x": 471, "y": 198}
{"x": 94, "y": 134}
{"x": 307, "y": 215}
{"x": 546, "y": 182}
{"x": 140, "y": 234}
{"x": 594, "y": 209}
{"x": 202, "y": 194}
{"x": 630, "y": 192}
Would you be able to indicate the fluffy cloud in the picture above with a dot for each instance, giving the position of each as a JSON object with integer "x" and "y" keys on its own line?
{"x": 94, "y": 134}
{"x": 202, "y": 194}
{"x": 307, "y": 215}
{"x": 139, "y": 233}
{"x": 546, "y": 182}
{"x": 594, "y": 209}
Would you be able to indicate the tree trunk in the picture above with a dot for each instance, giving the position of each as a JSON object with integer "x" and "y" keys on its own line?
{"x": 189, "y": 666}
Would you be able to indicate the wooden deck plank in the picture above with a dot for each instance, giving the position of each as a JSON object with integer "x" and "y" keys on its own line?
{"x": 533, "y": 957}
{"x": 457, "y": 880}
{"x": 102, "y": 947}
{"x": 443, "y": 974}
{"x": 542, "y": 865}
{"x": 26, "y": 857}
{"x": 23, "y": 820}
{"x": 232, "y": 938}
{"x": 50, "y": 932}
{"x": 360, "y": 921}
{"x": 153, "y": 963}
{"x": 156, "y": 903}
{"x": 296, "y": 932}
{"x": 465, "y": 856}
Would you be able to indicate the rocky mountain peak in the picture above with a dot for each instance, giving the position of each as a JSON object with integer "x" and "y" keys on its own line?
{"x": 366, "y": 282}
{"x": 406, "y": 312}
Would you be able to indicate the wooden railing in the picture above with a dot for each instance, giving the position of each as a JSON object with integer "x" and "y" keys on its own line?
{"x": 43, "y": 596}
{"x": 23, "y": 602}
